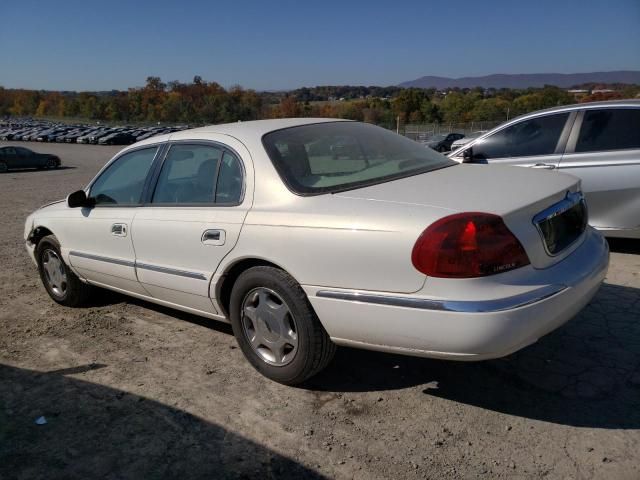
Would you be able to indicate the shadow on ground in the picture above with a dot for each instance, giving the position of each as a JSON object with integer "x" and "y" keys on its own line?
{"x": 587, "y": 373}
{"x": 40, "y": 170}
{"x": 94, "y": 431}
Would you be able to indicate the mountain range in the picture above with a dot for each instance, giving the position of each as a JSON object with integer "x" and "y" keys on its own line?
{"x": 526, "y": 80}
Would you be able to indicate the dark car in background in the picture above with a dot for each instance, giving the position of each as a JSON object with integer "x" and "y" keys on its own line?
{"x": 118, "y": 138}
{"x": 20, "y": 157}
{"x": 441, "y": 142}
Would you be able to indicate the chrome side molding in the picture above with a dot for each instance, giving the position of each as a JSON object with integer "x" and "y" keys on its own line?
{"x": 144, "y": 266}
{"x": 171, "y": 271}
{"x": 462, "y": 306}
{"x": 99, "y": 258}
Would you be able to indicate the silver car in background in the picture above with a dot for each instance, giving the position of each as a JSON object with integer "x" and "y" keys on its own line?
{"x": 598, "y": 142}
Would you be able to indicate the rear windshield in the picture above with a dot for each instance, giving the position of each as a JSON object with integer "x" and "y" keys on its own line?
{"x": 337, "y": 156}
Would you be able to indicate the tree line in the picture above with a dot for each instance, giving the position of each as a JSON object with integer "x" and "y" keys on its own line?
{"x": 202, "y": 102}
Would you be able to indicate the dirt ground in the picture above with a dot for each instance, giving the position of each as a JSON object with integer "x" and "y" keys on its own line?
{"x": 132, "y": 390}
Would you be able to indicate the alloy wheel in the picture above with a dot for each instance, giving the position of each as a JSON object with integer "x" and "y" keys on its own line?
{"x": 269, "y": 326}
{"x": 54, "y": 272}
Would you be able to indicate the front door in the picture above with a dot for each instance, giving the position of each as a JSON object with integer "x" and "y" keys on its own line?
{"x": 192, "y": 220}
{"x": 535, "y": 142}
{"x": 99, "y": 243}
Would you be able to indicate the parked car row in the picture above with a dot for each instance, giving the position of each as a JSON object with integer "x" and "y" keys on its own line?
{"x": 35, "y": 131}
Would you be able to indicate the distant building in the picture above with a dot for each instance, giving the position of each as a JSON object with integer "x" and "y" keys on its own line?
{"x": 578, "y": 92}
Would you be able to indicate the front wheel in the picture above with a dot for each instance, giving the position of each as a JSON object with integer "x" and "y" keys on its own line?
{"x": 51, "y": 163}
{"x": 276, "y": 327}
{"x": 62, "y": 285}
{"x": 3, "y": 167}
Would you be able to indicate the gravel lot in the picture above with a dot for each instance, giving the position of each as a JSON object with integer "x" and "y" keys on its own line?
{"x": 133, "y": 390}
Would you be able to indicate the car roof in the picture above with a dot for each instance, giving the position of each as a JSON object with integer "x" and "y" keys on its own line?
{"x": 538, "y": 113}
{"x": 243, "y": 131}
{"x": 582, "y": 106}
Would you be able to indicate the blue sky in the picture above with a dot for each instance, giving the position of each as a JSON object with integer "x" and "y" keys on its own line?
{"x": 90, "y": 45}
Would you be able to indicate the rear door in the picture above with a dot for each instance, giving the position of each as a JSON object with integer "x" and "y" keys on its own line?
{"x": 191, "y": 221}
{"x": 536, "y": 142}
{"x": 604, "y": 151}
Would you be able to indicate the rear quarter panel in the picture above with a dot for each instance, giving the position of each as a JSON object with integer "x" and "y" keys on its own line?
{"x": 334, "y": 242}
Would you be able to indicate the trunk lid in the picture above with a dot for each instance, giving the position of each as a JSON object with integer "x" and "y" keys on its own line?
{"x": 516, "y": 194}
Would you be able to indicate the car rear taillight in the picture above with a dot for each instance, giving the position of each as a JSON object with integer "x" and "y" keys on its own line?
{"x": 467, "y": 245}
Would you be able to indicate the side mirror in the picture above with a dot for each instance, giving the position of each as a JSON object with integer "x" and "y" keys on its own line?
{"x": 467, "y": 155}
{"x": 79, "y": 199}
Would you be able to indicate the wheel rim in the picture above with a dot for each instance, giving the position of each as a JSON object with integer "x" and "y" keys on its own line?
{"x": 3, "y": 167}
{"x": 269, "y": 326}
{"x": 51, "y": 163}
{"x": 54, "y": 272}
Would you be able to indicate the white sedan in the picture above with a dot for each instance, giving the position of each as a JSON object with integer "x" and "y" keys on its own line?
{"x": 311, "y": 233}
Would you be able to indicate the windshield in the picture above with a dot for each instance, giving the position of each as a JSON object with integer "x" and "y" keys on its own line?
{"x": 337, "y": 156}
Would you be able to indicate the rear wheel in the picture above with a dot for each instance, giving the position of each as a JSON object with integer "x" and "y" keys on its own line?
{"x": 3, "y": 167}
{"x": 276, "y": 327}
{"x": 61, "y": 283}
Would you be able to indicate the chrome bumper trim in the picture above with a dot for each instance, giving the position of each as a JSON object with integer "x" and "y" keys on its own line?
{"x": 460, "y": 306}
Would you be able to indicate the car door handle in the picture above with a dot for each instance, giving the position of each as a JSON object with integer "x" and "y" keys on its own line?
{"x": 544, "y": 166}
{"x": 119, "y": 229}
{"x": 214, "y": 237}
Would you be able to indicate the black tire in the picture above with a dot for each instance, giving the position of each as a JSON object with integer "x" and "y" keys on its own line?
{"x": 3, "y": 167}
{"x": 314, "y": 348}
{"x": 75, "y": 293}
{"x": 51, "y": 163}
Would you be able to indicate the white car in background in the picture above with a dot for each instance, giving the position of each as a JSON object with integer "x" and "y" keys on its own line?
{"x": 311, "y": 233}
{"x": 464, "y": 140}
{"x": 598, "y": 142}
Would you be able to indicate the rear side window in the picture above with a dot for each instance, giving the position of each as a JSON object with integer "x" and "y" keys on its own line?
{"x": 537, "y": 136}
{"x": 609, "y": 129}
{"x": 122, "y": 182}
{"x": 188, "y": 175}
{"x": 229, "y": 185}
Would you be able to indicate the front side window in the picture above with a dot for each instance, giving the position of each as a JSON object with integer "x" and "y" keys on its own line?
{"x": 188, "y": 175}
{"x": 536, "y": 136}
{"x": 609, "y": 129}
{"x": 335, "y": 156}
{"x": 122, "y": 182}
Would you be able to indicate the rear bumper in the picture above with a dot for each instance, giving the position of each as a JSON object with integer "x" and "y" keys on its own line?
{"x": 476, "y": 325}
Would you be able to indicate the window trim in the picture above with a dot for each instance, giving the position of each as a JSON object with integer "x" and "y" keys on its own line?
{"x": 154, "y": 176}
{"x": 159, "y": 149}
{"x": 577, "y": 127}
